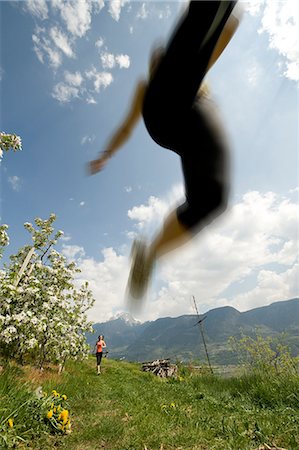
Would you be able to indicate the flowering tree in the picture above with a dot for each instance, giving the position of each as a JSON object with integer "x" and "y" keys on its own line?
{"x": 8, "y": 141}
{"x": 43, "y": 313}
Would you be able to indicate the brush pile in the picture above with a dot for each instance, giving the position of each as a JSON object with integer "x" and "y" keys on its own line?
{"x": 160, "y": 367}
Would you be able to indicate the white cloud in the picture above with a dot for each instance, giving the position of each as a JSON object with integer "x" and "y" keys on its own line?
{"x": 148, "y": 9}
{"x": 294, "y": 191}
{"x": 253, "y": 6}
{"x": 123, "y": 61}
{"x": 100, "y": 79}
{"x": 66, "y": 237}
{"x": 98, "y": 5}
{"x": 164, "y": 13}
{"x": 150, "y": 216}
{"x": 259, "y": 231}
{"x": 128, "y": 188}
{"x": 99, "y": 42}
{"x": 71, "y": 88}
{"x": 88, "y": 139}
{"x": 61, "y": 41}
{"x": 15, "y": 182}
{"x": 107, "y": 280}
{"x": 82, "y": 203}
{"x": 45, "y": 49}
{"x": 37, "y": 8}
{"x": 256, "y": 242}
{"x": 271, "y": 286}
{"x": 108, "y": 60}
{"x": 254, "y": 73}
{"x": 76, "y": 15}
{"x": 72, "y": 252}
{"x": 143, "y": 12}
{"x": 64, "y": 93}
{"x": 90, "y": 100}
{"x": 115, "y": 7}
{"x": 280, "y": 20}
{"x": 52, "y": 43}
{"x": 74, "y": 79}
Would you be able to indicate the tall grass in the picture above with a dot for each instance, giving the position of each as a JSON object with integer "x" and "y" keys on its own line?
{"x": 124, "y": 409}
{"x": 21, "y": 418}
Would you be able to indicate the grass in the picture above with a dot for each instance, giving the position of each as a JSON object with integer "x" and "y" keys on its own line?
{"x": 124, "y": 409}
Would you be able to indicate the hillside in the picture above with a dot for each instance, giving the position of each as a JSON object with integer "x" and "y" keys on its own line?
{"x": 179, "y": 337}
{"x": 125, "y": 408}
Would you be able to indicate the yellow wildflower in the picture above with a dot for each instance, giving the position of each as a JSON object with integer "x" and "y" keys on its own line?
{"x": 163, "y": 406}
{"x": 54, "y": 410}
{"x": 172, "y": 405}
{"x": 10, "y": 422}
{"x": 50, "y": 414}
{"x": 52, "y": 405}
{"x": 63, "y": 416}
{"x": 64, "y": 397}
{"x": 55, "y": 393}
{"x": 58, "y": 408}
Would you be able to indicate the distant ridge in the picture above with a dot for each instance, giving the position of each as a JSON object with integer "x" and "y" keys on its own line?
{"x": 178, "y": 338}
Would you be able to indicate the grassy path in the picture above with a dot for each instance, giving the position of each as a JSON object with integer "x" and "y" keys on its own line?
{"x": 124, "y": 409}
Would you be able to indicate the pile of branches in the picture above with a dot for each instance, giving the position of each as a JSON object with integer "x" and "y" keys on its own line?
{"x": 160, "y": 367}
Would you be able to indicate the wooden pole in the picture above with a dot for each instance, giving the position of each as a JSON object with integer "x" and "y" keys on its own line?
{"x": 200, "y": 321}
{"x": 24, "y": 265}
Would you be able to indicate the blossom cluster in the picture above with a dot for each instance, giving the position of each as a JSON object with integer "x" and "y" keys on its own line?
{"x": 4, "y": 239}
{"x": 8, "y": 141}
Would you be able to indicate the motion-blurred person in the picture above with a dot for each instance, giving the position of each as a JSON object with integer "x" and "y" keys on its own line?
{"x": 180, "y": 116}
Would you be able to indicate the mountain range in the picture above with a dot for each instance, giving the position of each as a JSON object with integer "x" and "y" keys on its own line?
{"x": 179, "y": 338}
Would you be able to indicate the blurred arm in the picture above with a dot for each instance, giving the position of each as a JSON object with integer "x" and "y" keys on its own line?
{"x": 124, "y": 131}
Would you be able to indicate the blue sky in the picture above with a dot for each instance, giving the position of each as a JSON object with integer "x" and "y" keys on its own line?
{"x": 68, "y": 70}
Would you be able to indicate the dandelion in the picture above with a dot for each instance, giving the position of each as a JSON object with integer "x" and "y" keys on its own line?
{"x": 50, "y": 414}
{"x": 172, "y": 405}
{"x": 10, "y": 422}
{"x": 64, "y": 397}
{"x": 63, "y": 416}
{"x": 55, "y": 393}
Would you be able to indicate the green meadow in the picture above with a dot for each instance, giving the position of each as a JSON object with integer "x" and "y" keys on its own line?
{"x": 125, "y": 408}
